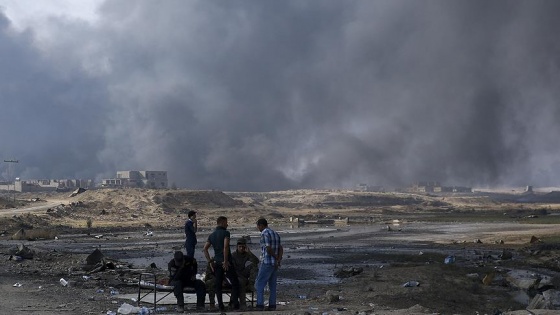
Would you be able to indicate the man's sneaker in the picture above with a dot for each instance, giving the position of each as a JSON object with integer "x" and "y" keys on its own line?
{"x": 200, "y": 308}
{"x": 259, "y": 308}
{"x": 212, "y": 307}
{"x": 180, "y": 309}
{"x": 271, "y": 308}
{"x": 222, "y": 308}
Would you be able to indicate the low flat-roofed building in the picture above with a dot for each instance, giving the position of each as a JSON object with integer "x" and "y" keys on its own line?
{"x": 137, "y": 179}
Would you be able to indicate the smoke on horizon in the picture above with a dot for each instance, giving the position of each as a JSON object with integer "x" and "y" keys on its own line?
{"x": 264, "y": 95}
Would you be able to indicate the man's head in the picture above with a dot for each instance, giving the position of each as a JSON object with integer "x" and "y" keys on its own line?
{"x": 262, "y": 224}
{"x": 222, "y": 221}
{"x": 178, "y": 257}
{"x": 242, "y": 245}
{"x": 192, "y": 214}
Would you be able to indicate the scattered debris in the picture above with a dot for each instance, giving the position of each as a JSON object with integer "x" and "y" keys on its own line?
{"x": 506, "y": 255}
{"x": 346, "y": 272}
{"x": 535, "y": 239}
{"x": 95, "y": 257}
{"x": 473, "y": 275}
{"x": 77, "y": 191}
{"x": 411, "y": 284}
{"x": 549, "y": 299}
{"x": 488, "y": 278}
{"x": 126, "y": 308}
{"x": 332, "y": 296}
{"x": 21, "y": 252}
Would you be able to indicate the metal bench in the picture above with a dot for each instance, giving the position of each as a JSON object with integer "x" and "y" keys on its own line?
{"x": 147, "y": 284}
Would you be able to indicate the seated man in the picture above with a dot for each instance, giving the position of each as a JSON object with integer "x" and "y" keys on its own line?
{"x": 209, "y": 280}
{"x": 246, "y": 266}
{"x": 182, "y": 273}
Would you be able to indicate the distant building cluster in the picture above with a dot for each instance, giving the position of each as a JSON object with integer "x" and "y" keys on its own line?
{"x": 436, "y": 187}
{"x": 417, "y": 187}
{"x": 36, "y": 185}
{"x": 366, "y": 187}
{"x": 124, "y": 179}
{"x": 137, "y": 179}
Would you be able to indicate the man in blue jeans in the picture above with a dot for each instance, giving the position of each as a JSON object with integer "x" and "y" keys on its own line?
{"x": 271, "y": 257}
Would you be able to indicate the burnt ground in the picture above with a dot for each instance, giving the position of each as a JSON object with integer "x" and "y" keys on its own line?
{"x": 344, "y": 269}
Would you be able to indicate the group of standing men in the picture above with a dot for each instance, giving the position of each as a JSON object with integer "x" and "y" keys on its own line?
{"x": 231, "y": 267}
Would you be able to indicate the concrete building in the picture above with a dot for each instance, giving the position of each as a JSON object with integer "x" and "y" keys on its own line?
{"x": 38, "y": 185}
{"x": 425, "y": 187}
{"x": 436, "y": 187}
{"x": 369, "y": 188}
{"x": 137, "y": 179}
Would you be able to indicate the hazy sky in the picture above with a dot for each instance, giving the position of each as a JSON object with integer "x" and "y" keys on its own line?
{"x": 266, "y": 95}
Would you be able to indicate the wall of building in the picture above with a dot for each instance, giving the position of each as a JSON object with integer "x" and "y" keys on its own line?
{"x": 138, "y": 179}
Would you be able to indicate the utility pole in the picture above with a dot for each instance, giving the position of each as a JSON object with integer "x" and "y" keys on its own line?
{"x": 10, "y": 173}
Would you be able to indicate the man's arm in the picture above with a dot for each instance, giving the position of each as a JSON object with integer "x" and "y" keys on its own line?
{"x": 172, "y": 270}
{"x": 207, "y": 255}
{"x": 280, "y": 254}
{"x": 226, "y": 253}
{"x": 190, "y": 228}
{"x": 195, "y": 270}
{"x": 271, "y": 252}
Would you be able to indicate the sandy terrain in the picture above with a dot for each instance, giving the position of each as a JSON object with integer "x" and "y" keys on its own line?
{"x": 390, "y": 239}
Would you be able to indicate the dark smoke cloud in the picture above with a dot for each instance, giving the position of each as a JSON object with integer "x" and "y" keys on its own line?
{"x": 263, "y": 95}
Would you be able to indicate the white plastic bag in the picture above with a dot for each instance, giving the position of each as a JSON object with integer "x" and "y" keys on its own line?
{"x": 128, "y": 309}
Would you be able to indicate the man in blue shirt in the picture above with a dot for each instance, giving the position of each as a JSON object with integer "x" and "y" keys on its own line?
{"x": 222, "y": 264}
{"x": 271, "y": 257}
{"x": 191, "y": 227}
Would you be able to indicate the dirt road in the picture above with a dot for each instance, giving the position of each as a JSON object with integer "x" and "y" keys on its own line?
{"x": 37, "y": 209}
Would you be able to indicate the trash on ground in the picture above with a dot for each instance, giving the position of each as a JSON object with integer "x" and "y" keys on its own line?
{"x": 487, "y": 280}
{"x": 126, "y": 308}
{"x": 411, "y": 284}
{"x": 449, "y": 260}
{"x": 17, "y": 285}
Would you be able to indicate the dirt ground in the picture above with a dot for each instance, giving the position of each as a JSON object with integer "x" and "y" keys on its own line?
{"x": 331, "y": 266}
